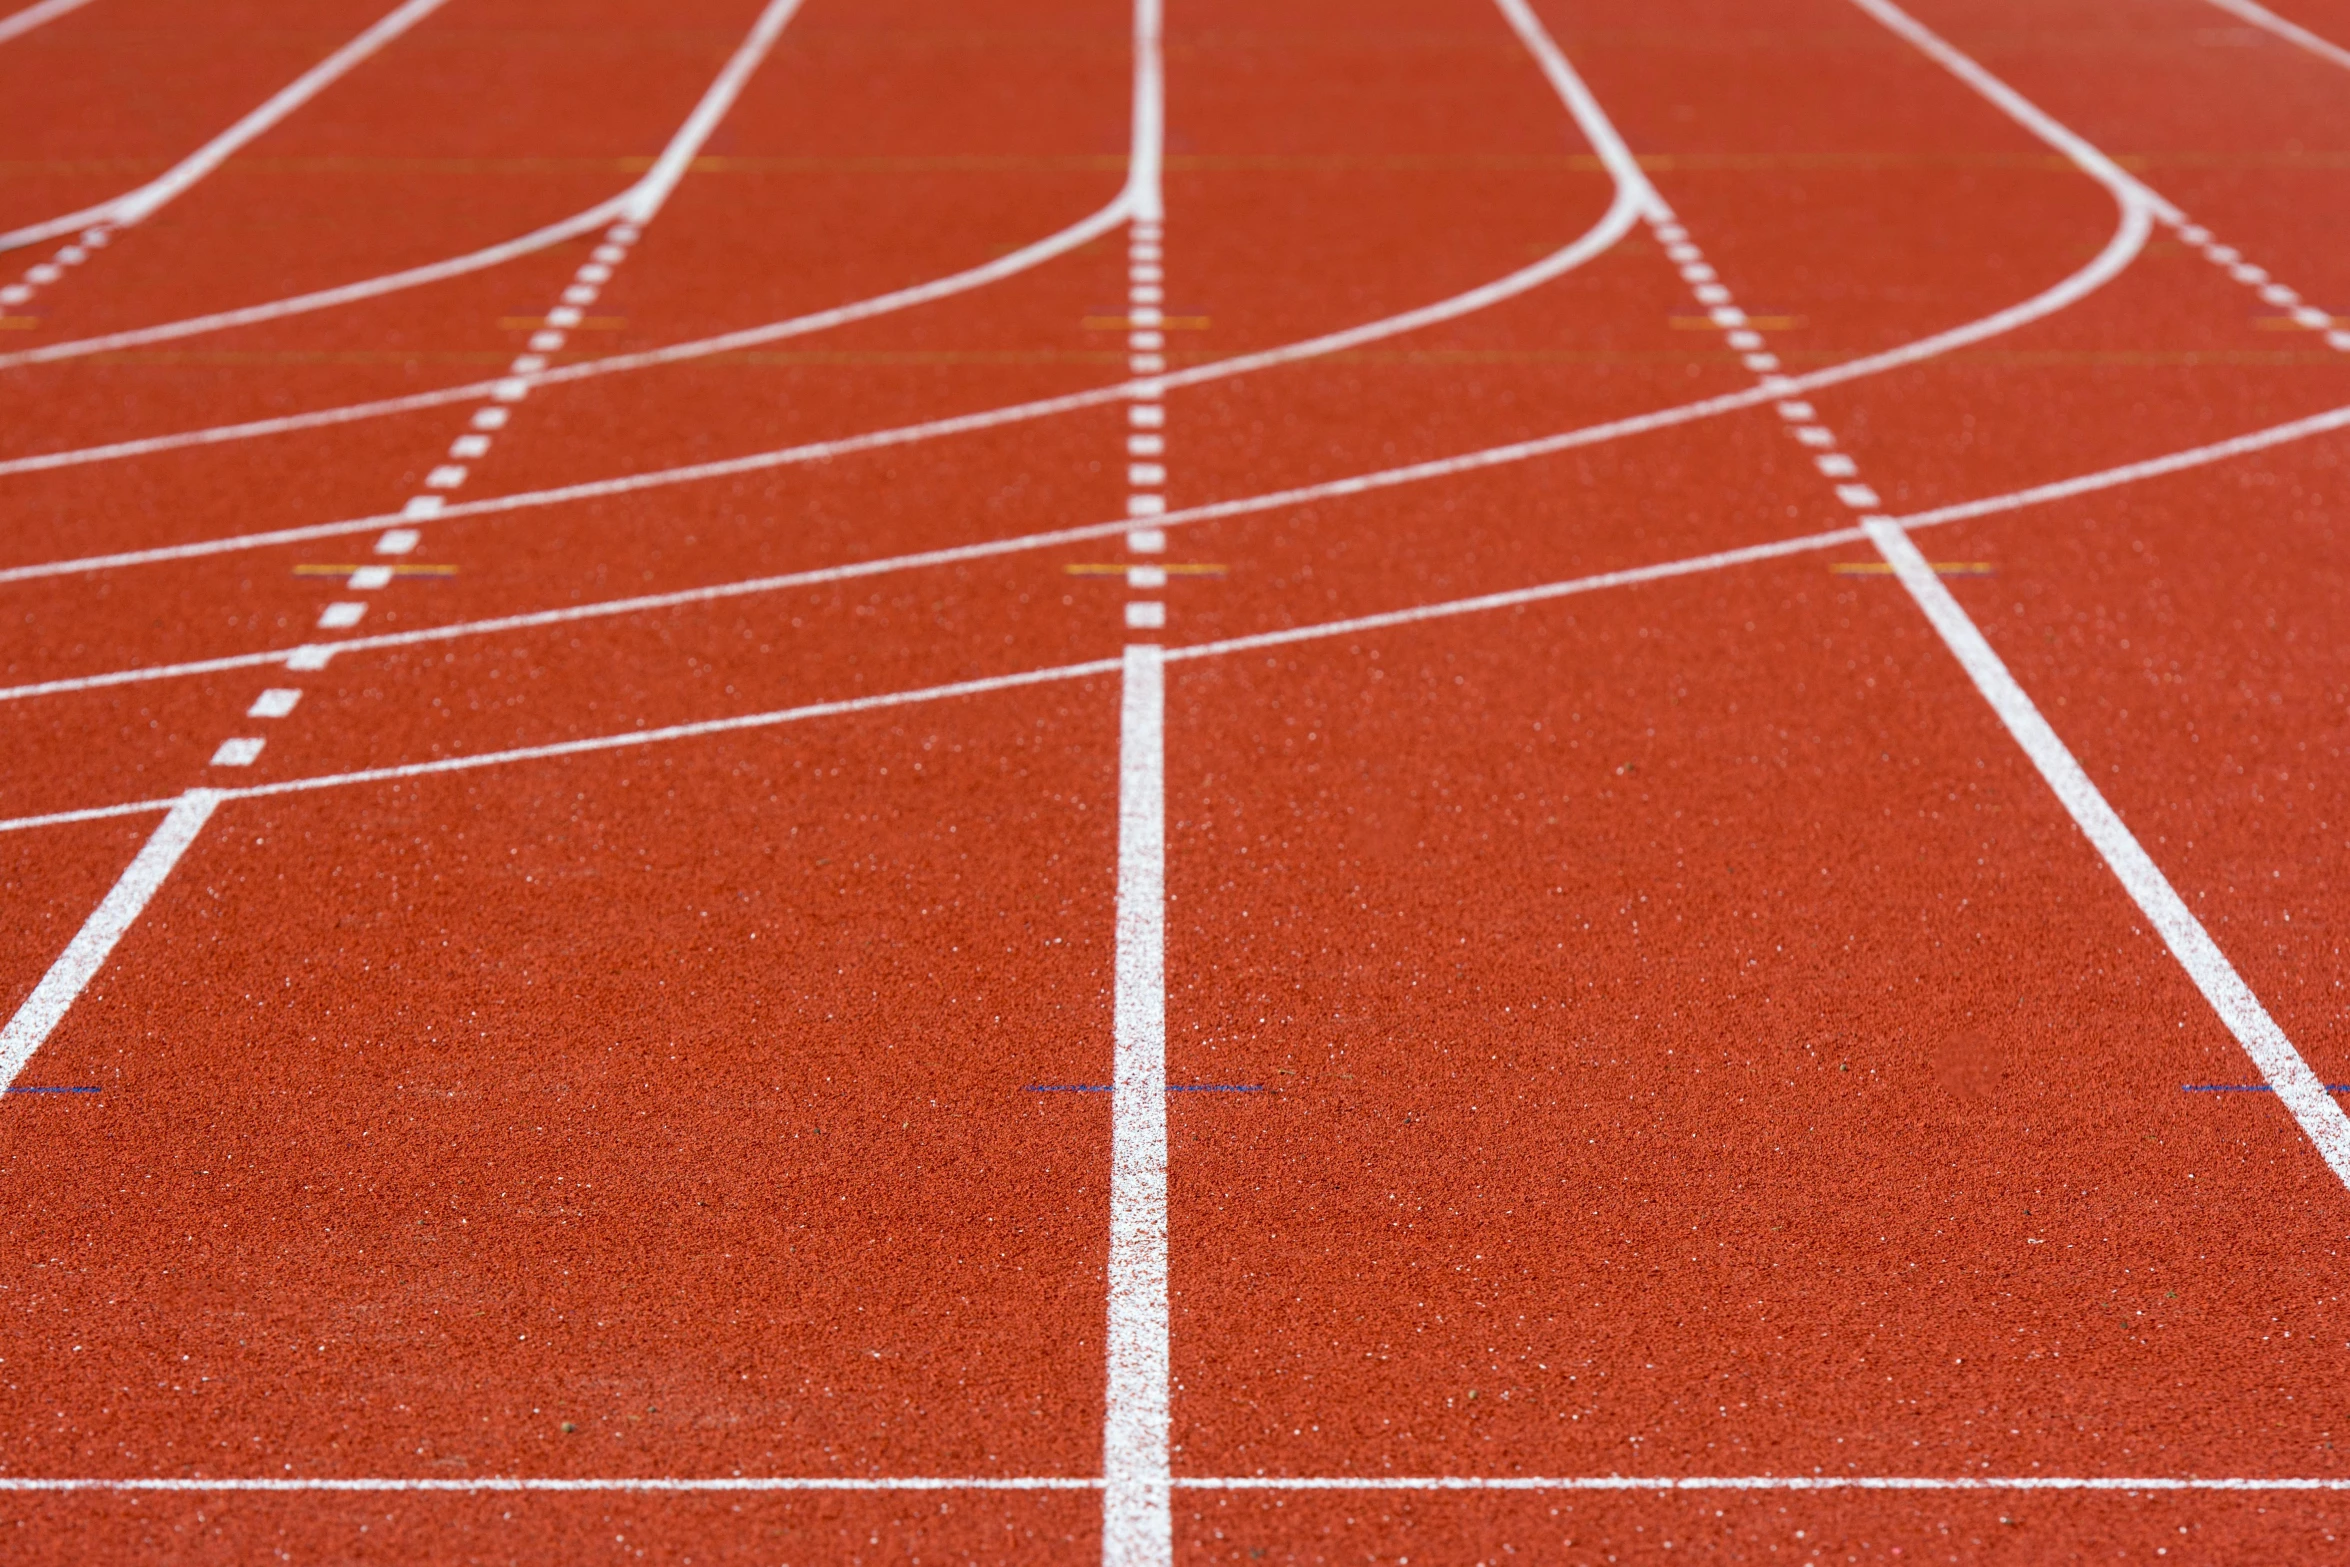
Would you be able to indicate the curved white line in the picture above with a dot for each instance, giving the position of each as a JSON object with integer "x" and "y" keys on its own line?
{"x": 2109, "y": 261}
{"x": 2262, "y": 17}
{"x": 1026, "y": 257}
{"x": 1633, "y": 197}
{"x": 135, "y": 205}
{"x": 636, "y": 203}
{"x": 19, "y": 23}
{"x": 1140, "y": 198}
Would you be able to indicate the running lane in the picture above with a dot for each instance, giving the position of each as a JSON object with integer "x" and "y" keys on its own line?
{"x": 1695, "y": 1043}
{"x": 662, "y": 1116}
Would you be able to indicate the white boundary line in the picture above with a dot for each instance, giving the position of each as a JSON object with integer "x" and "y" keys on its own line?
{"x": 19, "y": 23}
{"x": 1137, "y": 1518}
{"x": 2300, "y": 1089}
{"x": 66, "y": 978}
{"x": 2262, "y": 17}
{"x": 136, "y": 205}
{"x": 504, "y": 1484}
{"x": 653, "y": 189}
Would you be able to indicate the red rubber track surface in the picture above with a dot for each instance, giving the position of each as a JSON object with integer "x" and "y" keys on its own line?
{"x": 1686, "y": 1038}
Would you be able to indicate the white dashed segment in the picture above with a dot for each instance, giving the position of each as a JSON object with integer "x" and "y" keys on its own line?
{"x": 1146, "y": 412}
{"x": 66, "y": 978}
{"x": 276, "y": 702}
{"x": 643, "y": 203}
{"x": 42, "y": 274}
{"x": 496, "y": 1485}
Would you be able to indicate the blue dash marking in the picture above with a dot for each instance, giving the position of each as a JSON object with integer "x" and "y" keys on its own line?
{"x": 1066, "y": 1088}
{"x": 2249, "y": 1088}
{"x": 22, "y": 1089}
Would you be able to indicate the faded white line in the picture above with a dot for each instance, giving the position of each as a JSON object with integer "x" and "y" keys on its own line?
{"x": 133, "y": 206}
{"x": 1137, "y": 1520}
{"x": 18, "y": 23}
{"x": 83, "y": 956}
{"x": 2299, "y": 1088}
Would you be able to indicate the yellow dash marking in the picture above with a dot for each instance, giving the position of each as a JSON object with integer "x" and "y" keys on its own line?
{"x": 1194, "y": 569}
{"x": 1942, "y": 568}
{"x": 18, "y": 323}
{"x": 397, "y": 571}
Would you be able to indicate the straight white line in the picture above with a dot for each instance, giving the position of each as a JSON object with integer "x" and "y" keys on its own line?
{"x": 1590, "y": 118}
{"x": 501, "y": 1484}
{"x": 1760, "y": 1483}
{"x": 83, "y": 956}
{"x": 680, "y": 150}
{"x": 133, "y": 206}
{"x": 19, "y": 23}
{"x": 2301, "y": 1090}
{"x": 1143, "y": 199}
{"x": 1137, "y": 1518}
{"x": 2262, "y": 17}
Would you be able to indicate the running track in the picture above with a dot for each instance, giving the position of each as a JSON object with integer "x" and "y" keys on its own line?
{"x": 1444, "y": 780}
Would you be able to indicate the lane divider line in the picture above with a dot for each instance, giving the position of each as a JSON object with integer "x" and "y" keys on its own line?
{"x": 2297, "y": 1085}
{"x": 137, "y": 205}
{"x": 2300, "y": 1088}
{"x": 2262, "y": 17}
{"x": 37, "y": 1018}
{"x": 1137, "y": 1515}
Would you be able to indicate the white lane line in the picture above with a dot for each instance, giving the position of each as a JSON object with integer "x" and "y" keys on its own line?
{"x": 658, "y": 1484}
{"x": 1143, "y": 199}
{"x": 2262, "y": 17}
{"x": 652, "y": 191}
{"x": 2128, "y": 239}
{"x": 1482, "y": 603}
{"x": 502, "y": 1485}
{"x": 19, "y": 23}
{"x": 1027, "y": 257}
{"x": 688, "y": 138}
{"x": 83, "y": 956}
{"x": 1137, "y": 1519}
{"x": 2299, "y": 1088}
{"x": 133, "y": 206}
